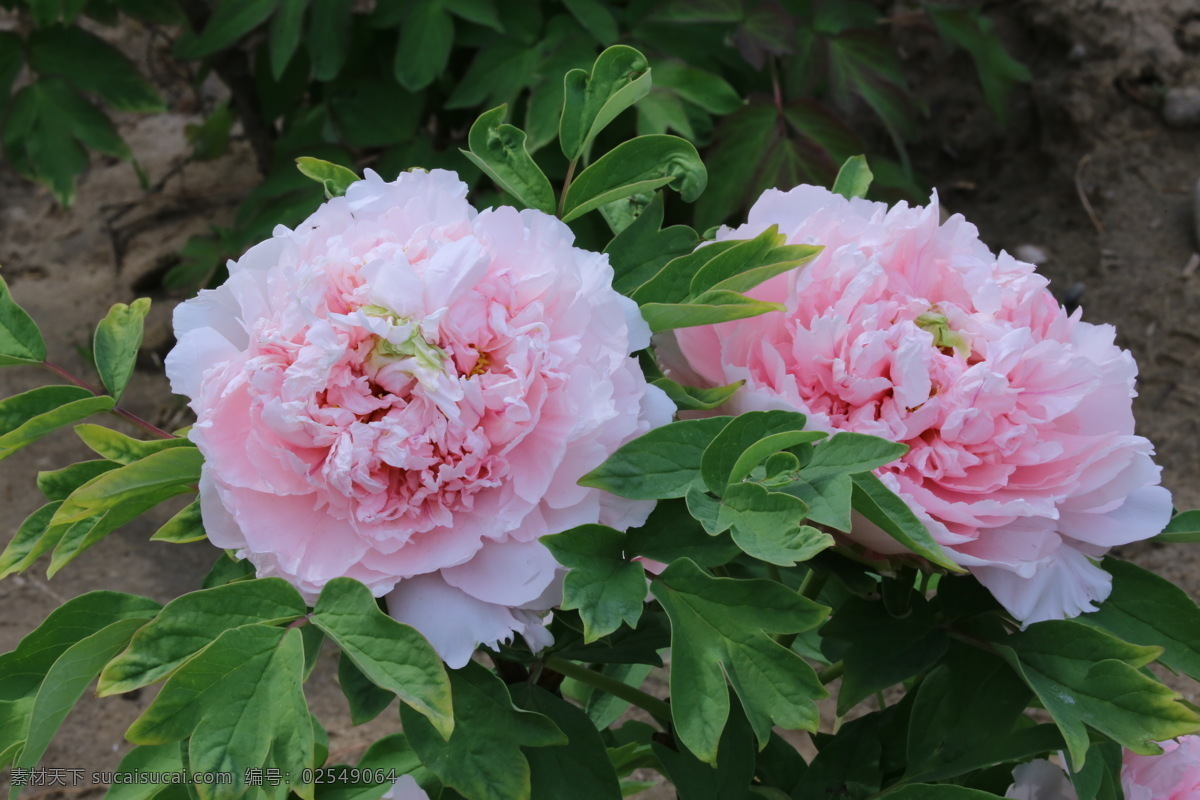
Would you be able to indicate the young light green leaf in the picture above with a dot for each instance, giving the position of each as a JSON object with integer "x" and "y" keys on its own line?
{"x": 728, "y": 448}
{"x": 877, "y": 503}
{"x": 115, "y": 345}
{"x": 619, "y": 78}
{"x": 20, "y": 340}
{"x": 186, "y": 526}
{"x": 334, "y": 177}
{"x": 27, "y": 417}
{"x": 483, "y": 758}
{"x": 606, "y": 588}
{"x": 498, "y": 149}
{"x": 696, "y": 398}
{"x": 1087, "y": 678}
{"x": 121, "y": 448}
{"x": 767, "y": 525}
{"x": 638, "y": 165}
{"x": 582, "y": 770}
{"x": 659, "y": 464}
{"x": 710, "y": 308}
{"x": 231, "y": 20}
{"x": 189, "y": 623}
{"x": 162, "y": 474}
{"x": 287, "y": 27}
{"x": 72, "y": 538}
{"x": 720, "y": 627}
{"x": 393, "y": 655}
{"x": 426, "y": 38}
{"x": 853, "y": 179}
{"x": 641, "y": 249}
{"x": 58, "y": 484}
{"x": 90, "y": 64}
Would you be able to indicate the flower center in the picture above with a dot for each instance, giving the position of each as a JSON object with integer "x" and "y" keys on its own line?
{"x": 944, "y": 337}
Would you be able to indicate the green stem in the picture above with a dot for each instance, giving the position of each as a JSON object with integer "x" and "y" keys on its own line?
{"x": 120, "y": 412}
{"x": 562, "y": 199}
{"x": 652, "y": 705}
{"x": 831, "y": 673}
{"x": 813, "y": 583}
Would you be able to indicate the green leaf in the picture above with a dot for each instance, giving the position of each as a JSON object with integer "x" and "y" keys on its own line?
{"x": 1183, "y": 527}
{"x": 239, "y": 703}
{"x": 483, "y": 758}
{"x": 12, "y": 61}
{"x": 710, "y": 308}
{"x": 582, "y": 770}
{"x": 72, "y": 538}
{"x": 328, "y": 37}
{"x": 720, "y": 628}
{"x": 90, "y": 64}
{"x": 161, "y": 759}
{"x": 595, "y": 17}
{"x": 499, "y": 150}
{"x": 638, "y": 165}
{"x": 921, "y": 791}
{"x": 750, "y": 263}
{"x": 121, "y": 448}
{"x": 481, "y": 12}
{"x": 334, "y": 177}
{"x": 767, "y": 525}
{"x": 736, "y": 448}
{"x": 116, "y": 343}
{"x": 672, "y": 533}
{"x": 1087, "y": 678}
{"x": 659, "y": 464}
{"x": 879, "y": 505}
{"x": 426, "y": 39}
{"x": 172, "y": 471}
{"x": 1100, "y": 777}
{"x": 696, "y": 398}
{"x": 704, "y": 89}
{"x": 734, "y": 770}
{"x": 366, "y": 700}
{"x": 186, "y": 526}
{"x": 672, "y": 283}
{"x": 189, "y": 623}
{"x": 58, "y": 484}
{"x": 641, "y": 249}
{"x": 66, "y": 682}
{"x": 287, "y": 26}
{"x": 1146, "y": 609}
{"x": 619, "y": 78}
{"x": 768, "y": 446}
{"x": 20, "y": 340}
{"x": 853, "y": 179}
{"x": 393, "y": 655}
{"x": 605, "y": 587}
{"x": 31, "y": 541}
{"x": 998, "y": 71}
{"x": 27, "y": 417}
{"x": 231, "y": 20}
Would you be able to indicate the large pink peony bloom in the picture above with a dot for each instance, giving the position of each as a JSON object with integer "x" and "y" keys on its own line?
{"x": 405, "y": 391}
{"x": 1023, "y": 460}
{"x": 1174, "y": 775}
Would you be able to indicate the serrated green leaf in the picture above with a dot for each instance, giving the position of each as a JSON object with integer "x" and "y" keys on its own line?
{"x": 186, "y": 526}
{"x": 1087, "y": 678}
{"x": 641, "y": 249}
{"x": 393, "y": 655}
{"x": 230, "y": 21}
{"x": 877, "y": 503}
{"x": 619, "y": 78}
{"x": 767, "y": 525}
{"x": 638, "y": 165}
{"x": 853, "y": 179}
{"x": 162, "y": 474}
{"x": 659, "y": 464}
{"x": 482, "y": 758}
{"x": 20, "y": 340}
{"x": 287, "y": 26}
{"x": 121, "y": 448}
{"x": 189, "y": 623}
{"x": 426, "y": 39}
{"x": 582, "y": 770}
{"x": 697, "y": 398}
{"x": 116, "y": 343}
{"x": 334, "y": 177}
{"x": 720, "y": 628}
{"x": 499, "y": 150}
{"x": 90, "y": 64}
{"x": 606, "y": 588}
{"x": 58, "y": 484}
{"x": 728, "y": 448}
{"x": 711, "y": 308}
{"x": 27, "y": 417}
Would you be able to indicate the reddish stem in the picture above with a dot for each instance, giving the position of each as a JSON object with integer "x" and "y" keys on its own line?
{"x": 121, "y": 412}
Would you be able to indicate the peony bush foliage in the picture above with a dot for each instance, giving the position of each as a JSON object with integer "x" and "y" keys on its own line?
{"x": 838, "y": 450}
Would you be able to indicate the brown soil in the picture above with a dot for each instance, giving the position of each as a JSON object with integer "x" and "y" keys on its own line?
{"x": 1087, "y": 172}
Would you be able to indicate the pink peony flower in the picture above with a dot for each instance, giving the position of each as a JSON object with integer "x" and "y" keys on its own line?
{"x": 1023, "y": 462}
{"x": 405, "y": 391}
{"x": 1174, "y": 775}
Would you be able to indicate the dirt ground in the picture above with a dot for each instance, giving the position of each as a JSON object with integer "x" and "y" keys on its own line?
{"x": 1088, "y": 179}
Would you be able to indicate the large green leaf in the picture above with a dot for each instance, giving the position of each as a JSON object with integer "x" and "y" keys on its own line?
{"x": 728, "y": 450}
{"x": 710, "y": 308}
{"x": 27, "y": 417}
{"x": 499, "y": 150}
{"x": 659, "y": 464}
{"x": 720, "y": 627}
{"x": 90, "y": 64}
{"x": 115, "y": 345}
{"x": 20, "y": 340}
{"x": 160, "y": 759}
{"x": 606, "y": 588}
{"x": 287, "y": 27}
{"x": 704, "y": 89}
{"x": 72, "y": 538}
{"x": 162, "y": 474}
{"x": 579, "y": 768}
{"x": 366, "y": 700}
{"x": 1087, "y": 678}
{"x": 59, "y": 483}
{"x": 877, "y": 503}
{"x": 392, "y": 655}
{"x": 231, "y": 20}
{"x": 483, "y": 758}
{"x": 619, "y": 78}
{"x": 1183, "y": 527}
{"x": 426, "y": 39}
{"x": 33, "y": 539}
{"x": 638, "y": 165}
{"x": 328, "y": 37}
{"x": 768, "y": 525}
{"x": 189, "y": 623}
{"x": 641, "y": 249}
{"x": 239, "y": 703}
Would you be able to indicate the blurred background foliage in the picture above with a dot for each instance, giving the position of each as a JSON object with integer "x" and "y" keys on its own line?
{"x": 772, "y": 92}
